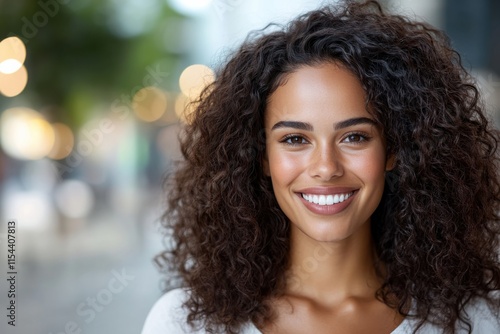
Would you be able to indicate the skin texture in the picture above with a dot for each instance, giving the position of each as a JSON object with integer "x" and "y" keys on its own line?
{"x": 321, "y": 158}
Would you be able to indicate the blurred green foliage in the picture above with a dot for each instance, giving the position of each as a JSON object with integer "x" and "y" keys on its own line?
{"x": 77, "y": 57}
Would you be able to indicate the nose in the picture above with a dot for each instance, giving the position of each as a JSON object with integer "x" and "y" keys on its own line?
{"x": 326, "y": 163}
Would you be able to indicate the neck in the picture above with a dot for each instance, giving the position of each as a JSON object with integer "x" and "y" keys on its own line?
{"x": 335, "y": 270}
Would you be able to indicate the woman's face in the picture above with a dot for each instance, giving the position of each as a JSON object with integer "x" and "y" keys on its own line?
{"x": 324, "y": 152}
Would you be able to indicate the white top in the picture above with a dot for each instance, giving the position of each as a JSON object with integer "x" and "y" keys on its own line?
{"x": 169, "y": 317}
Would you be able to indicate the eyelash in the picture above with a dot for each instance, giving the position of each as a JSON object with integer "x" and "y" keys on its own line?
{"x": 363, "y": 137}
{"x": 289, "y": 137}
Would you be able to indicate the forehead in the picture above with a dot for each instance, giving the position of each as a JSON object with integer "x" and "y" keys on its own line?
{"x": 321, "y": 91}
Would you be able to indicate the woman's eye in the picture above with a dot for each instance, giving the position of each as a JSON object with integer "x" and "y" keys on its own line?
{"x": 294, "y": 140}
{"x": 355, "y": 138}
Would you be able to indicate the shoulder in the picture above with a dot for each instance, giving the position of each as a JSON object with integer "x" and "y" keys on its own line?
{"x": 168, "y": 314}
{"x": 483, "y": 318}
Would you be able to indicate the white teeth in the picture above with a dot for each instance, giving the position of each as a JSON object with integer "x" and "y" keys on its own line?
{"x": 322, "y": 200}
{"x": 327, "y": 199}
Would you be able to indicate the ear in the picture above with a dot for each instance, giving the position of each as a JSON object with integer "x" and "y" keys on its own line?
{"x": 390, "y": 163}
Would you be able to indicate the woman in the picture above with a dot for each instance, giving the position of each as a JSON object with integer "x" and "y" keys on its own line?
{"x": 340, "y": 176}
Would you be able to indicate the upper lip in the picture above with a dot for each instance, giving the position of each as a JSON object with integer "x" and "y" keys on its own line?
{"x": 327, "y": 190}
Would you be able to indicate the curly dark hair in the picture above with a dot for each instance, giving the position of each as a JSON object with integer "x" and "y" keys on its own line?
{"x": 436, "y": 229}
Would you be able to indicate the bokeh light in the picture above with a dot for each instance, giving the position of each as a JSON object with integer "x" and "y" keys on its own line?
{"x": 10, "y": 66}
{"x": 25, "y": 134}
{"x": 149, "y": 103}
{"x": 33, "y": 209}
{"x": 13, "y": 84}
{"x": 12, "y": 55}
{"x": 194, "y": 79}
{"x": 184, "y": 107}
{"x": 74, "y": 198}
{"x": 64, "y": 141}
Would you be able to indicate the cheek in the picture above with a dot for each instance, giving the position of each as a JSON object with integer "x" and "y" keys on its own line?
{"x": 284, "y": 167}
{"x": 370, "y": 166}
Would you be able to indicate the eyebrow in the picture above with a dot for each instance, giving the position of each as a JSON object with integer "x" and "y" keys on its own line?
{"x": 338, "y": 126}
{"x": 293, "y": 124}
{"x": 354, "y": 121}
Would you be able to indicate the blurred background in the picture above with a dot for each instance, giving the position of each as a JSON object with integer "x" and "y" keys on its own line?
{"x": 92, "y": 96}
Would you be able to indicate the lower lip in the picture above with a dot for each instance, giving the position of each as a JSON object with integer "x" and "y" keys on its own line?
{"x": 327, "y": 209}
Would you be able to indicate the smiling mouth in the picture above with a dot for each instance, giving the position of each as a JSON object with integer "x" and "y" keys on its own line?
{"x": 326, "y": 199}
